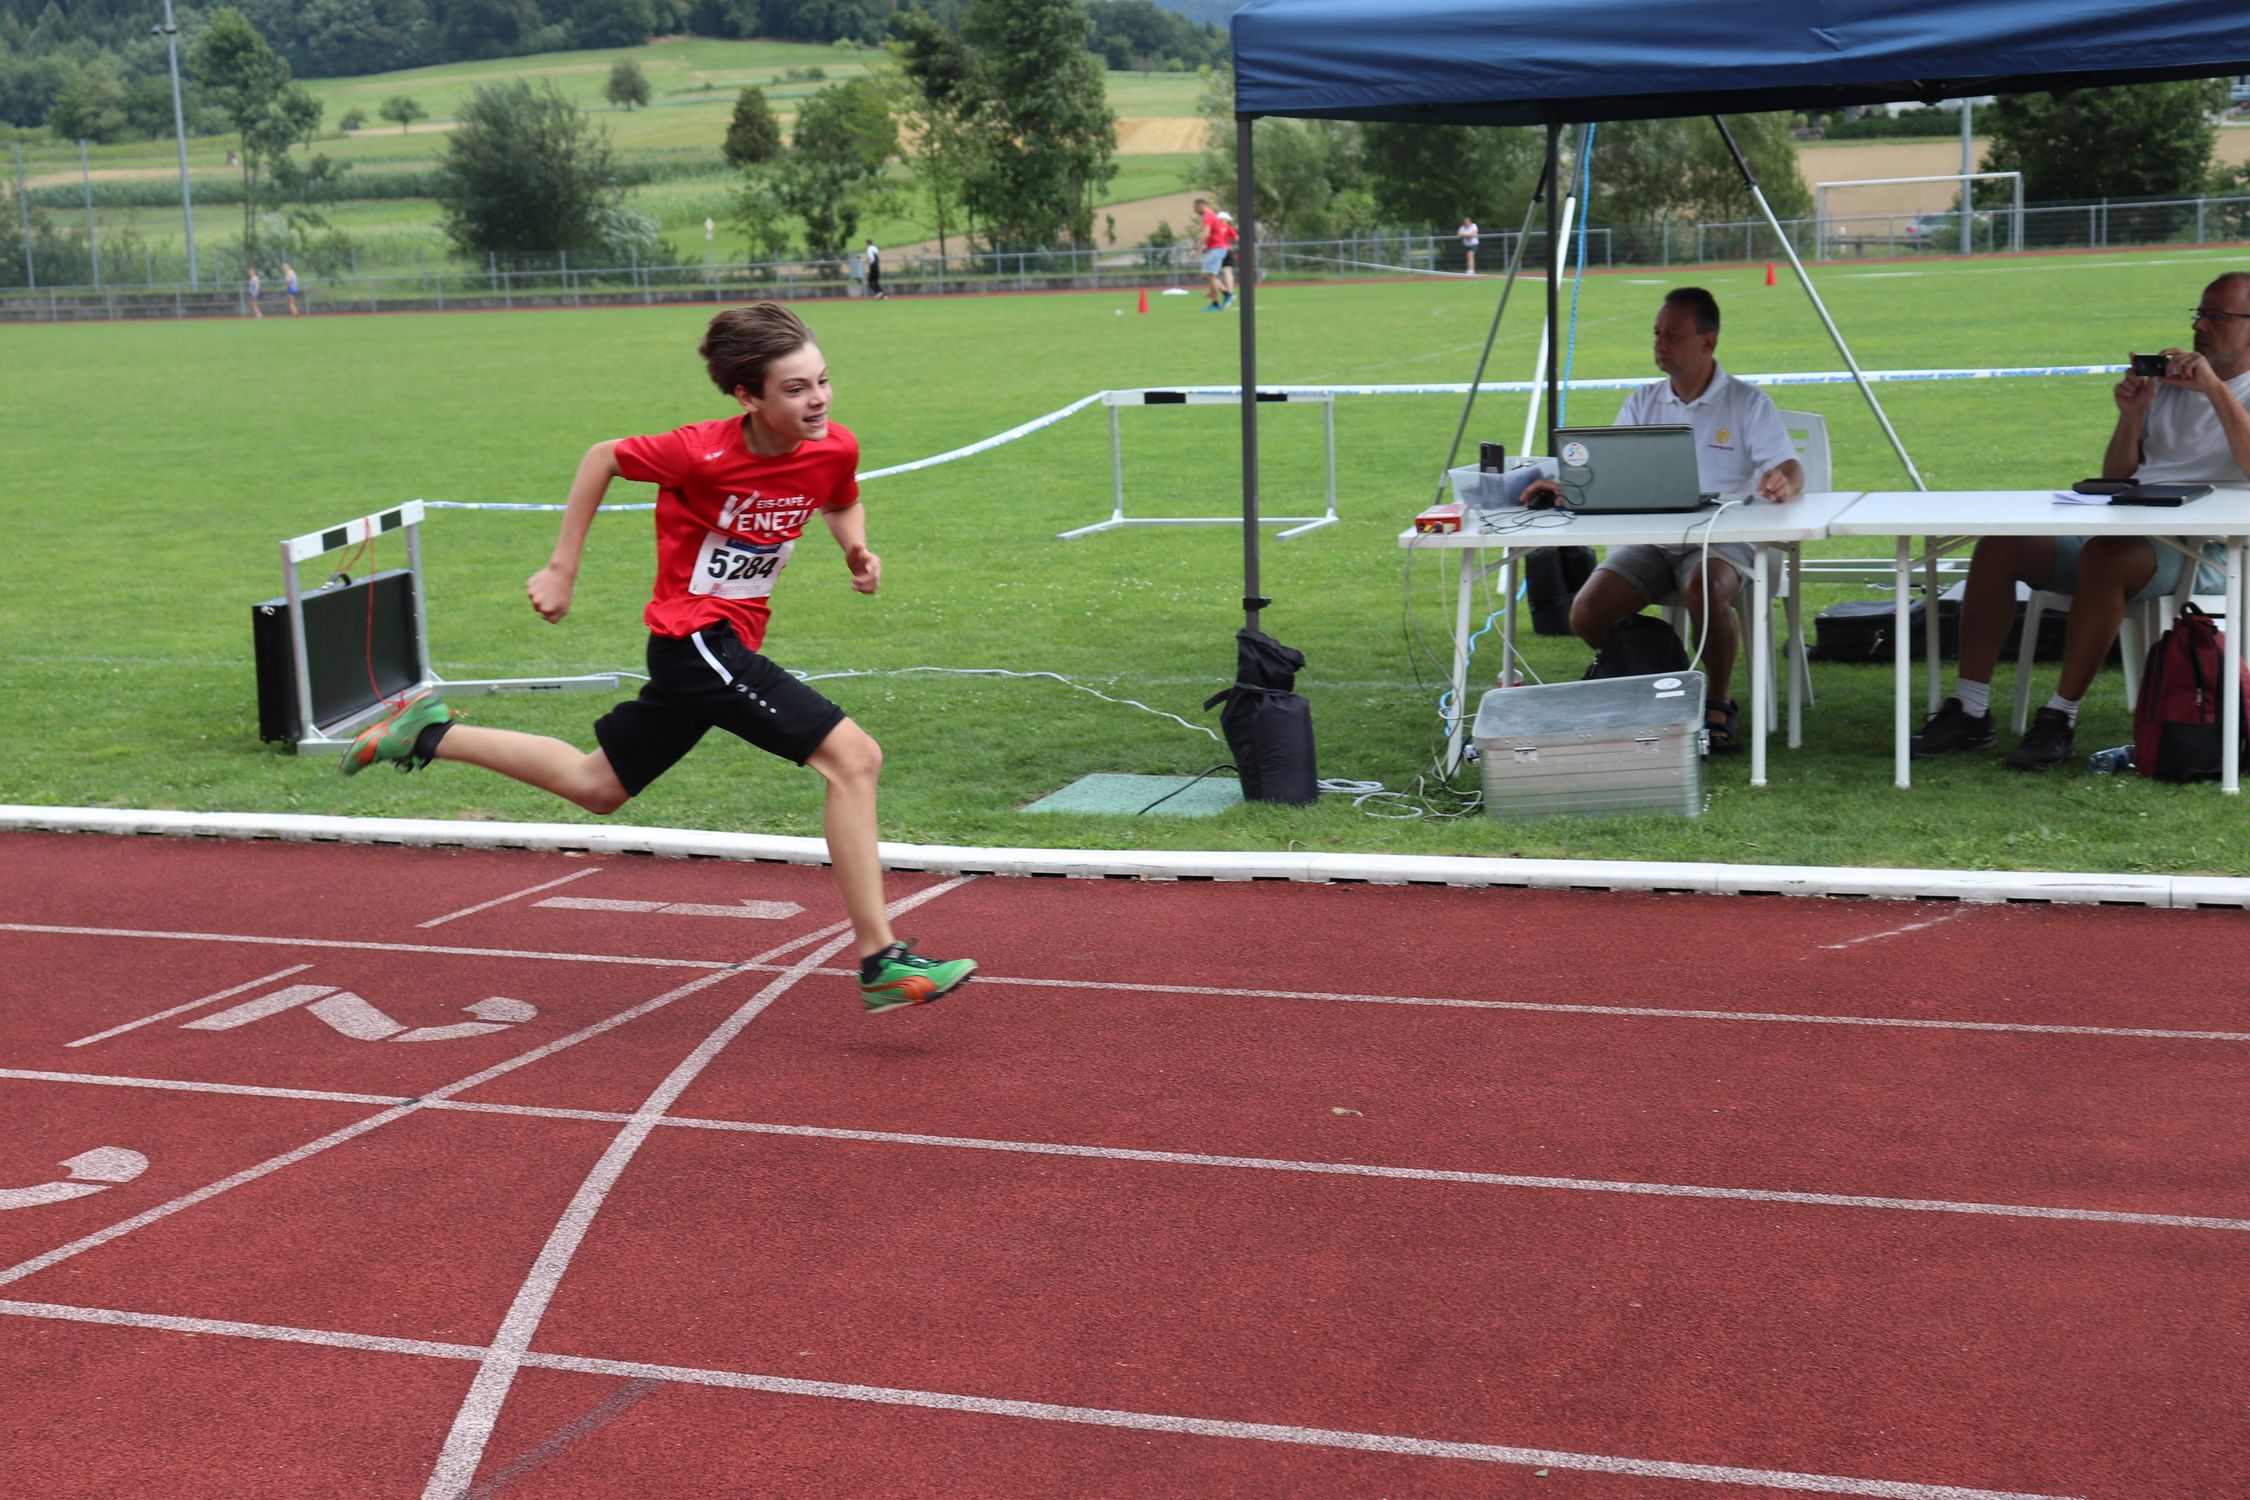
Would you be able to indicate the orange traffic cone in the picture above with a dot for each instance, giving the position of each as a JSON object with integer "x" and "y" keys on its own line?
{"x": 1769, "y": 273}
{"x": 1144, "y": 299}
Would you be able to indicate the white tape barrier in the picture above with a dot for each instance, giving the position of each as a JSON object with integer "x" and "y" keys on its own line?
{"x": 1443, "y": 388}
{"x": 2186, "y": 891}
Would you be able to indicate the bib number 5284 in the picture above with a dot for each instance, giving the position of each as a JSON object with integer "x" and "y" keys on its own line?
{"x": 730, "y": 568}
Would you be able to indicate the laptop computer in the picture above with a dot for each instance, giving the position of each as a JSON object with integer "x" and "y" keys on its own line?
{"x": 1630, "y": 470}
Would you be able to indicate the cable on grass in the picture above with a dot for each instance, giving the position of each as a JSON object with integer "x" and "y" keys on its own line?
{"x": 1197, "y": 777}
{"x": 1003, "y": 672}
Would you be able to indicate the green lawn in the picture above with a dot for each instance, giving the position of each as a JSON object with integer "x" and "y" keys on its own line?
{"x": 128, "y": 574}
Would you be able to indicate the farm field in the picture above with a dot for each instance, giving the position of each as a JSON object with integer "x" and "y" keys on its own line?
{"x": 693, "y": 81}
{"x": 132, "y": 566}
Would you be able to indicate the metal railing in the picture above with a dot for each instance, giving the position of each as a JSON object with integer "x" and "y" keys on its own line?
{"x": 557, "y": 281}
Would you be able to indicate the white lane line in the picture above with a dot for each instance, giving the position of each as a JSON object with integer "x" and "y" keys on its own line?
{"x": 193, "y": 1086}
{"x": 470, "y": 911}
{"x": 457, "y": 1463}
{"x": 1043, "y": 1411}
{"x": 1483, "y": 1179}
{"x": 1876, "y": 937}
{"x": 341, "y": 944}
{"x": 178, "y": 1010}
{"x": 1197, "y": 1159}
{"x": 759, "y": 911}
{"x": 767, "y": 962}
{"x": 111, "y": 1317}
{"x": 313, "y": 1148}
{"x": 1661, "y": 1013}
{"x": 1269, "y": 1432}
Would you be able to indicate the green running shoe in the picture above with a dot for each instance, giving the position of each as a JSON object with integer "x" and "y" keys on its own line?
{"x": 899, "y": 977}
{"x": 392, "y": 737}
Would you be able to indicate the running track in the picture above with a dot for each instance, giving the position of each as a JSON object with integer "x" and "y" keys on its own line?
{"x": 360, "y": 1171}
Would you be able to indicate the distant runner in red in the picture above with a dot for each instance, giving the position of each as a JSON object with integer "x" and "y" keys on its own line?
{"x": 1214, "y": 255}
{"x": 733, "y": 496}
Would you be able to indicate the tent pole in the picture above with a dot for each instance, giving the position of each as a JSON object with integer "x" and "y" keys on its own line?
{"x": 1547, "y": 340}
{"x": 1515, "y": 264}
{"x": 1246, "y": 278}
{"x": 1757, "y": 194}
{"x": 1554, "y": 262}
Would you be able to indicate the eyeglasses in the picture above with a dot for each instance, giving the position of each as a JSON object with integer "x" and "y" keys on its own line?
{"x": 2212, "y": 314}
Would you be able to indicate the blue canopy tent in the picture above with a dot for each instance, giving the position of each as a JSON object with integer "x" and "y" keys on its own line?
{"x": 1549, "y": 63}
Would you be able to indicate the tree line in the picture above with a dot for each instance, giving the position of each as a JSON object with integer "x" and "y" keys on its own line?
{"x": 99, "y": 62}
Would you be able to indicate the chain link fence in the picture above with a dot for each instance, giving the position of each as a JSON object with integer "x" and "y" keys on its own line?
{"x": 65, "y": 278}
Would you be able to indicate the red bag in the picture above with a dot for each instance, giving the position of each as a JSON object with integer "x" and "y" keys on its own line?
{"x": 2176, "y": 728}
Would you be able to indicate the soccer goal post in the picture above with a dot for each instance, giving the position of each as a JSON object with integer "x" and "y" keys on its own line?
{"x": 1901, "y": 219}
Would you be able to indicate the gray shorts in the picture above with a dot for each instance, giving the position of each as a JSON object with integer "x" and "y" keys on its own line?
{"x": 1214, "y": 258}
{"x": 2210, "y": 574}
{"x": 1661, "y": 573}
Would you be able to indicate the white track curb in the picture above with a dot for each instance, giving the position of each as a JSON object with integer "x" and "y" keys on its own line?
{"x": 2188, "y": 891}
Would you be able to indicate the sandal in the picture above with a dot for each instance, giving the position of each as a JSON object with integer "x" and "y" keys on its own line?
{"x": 1721, "y": 732}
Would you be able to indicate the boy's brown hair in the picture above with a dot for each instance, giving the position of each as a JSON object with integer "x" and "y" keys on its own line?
{"x": 742, "y": 341}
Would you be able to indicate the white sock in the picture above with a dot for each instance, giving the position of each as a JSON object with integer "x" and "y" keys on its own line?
{"x": 2069, "y": 706}
{"x": 1976, "y": 697}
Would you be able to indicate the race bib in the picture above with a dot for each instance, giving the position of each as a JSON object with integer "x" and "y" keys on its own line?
{"x": 730, "y": 568}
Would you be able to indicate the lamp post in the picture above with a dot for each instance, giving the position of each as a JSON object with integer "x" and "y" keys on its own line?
{"x": 171, "y": 35}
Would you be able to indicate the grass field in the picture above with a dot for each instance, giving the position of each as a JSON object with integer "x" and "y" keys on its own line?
{"x": 154, "y": 466}
{"x": 693, "y": 81}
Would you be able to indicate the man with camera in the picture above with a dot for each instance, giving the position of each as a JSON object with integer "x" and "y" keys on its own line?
{"x": 2183, "y": 416}
{"x": 1740, "y": 444}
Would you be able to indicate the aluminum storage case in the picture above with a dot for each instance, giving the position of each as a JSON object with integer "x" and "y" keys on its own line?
{"x": 1613, "y": 745}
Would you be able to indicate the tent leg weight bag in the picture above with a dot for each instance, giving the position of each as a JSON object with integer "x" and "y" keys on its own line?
{"x": 1268, "y": 726}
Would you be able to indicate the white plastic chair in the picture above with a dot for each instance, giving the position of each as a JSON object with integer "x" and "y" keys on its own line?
{"x": 1808, "y": 434}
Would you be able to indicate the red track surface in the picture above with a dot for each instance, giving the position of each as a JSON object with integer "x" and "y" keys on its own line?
{"x": 1200, "y": 1189}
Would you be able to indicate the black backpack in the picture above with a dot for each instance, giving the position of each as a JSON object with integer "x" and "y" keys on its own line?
{"x": 1639, "y": 646}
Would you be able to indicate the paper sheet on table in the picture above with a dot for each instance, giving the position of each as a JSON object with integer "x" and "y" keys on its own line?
{"x": 2072, "y": 497}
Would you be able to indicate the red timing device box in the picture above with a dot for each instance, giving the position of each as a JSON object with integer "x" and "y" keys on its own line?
{"x": 1439, "y": 518}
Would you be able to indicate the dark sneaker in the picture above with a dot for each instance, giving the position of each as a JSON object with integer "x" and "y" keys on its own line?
{"x": 1950, "y": 729}
{"x": 2047, "y": 743}
{"x": 392, "y": 737}
{"x": 898, "y": 977}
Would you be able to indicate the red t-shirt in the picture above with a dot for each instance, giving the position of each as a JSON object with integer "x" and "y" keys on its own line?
{"x": 1214, "y": 230}
{"x": 727, "y": 519}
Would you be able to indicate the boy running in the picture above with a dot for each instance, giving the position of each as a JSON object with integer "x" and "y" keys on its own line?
{"x": 733, "y": 496}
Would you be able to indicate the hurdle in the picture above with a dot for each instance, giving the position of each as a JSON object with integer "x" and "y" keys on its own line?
{"x": 1298, "y": 525}
{"x": 350, "y": 700}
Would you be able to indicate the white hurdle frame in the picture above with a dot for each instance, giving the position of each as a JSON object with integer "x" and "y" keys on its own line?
{"x": 408, "y": 517}
{"x": 1298, "y": 525}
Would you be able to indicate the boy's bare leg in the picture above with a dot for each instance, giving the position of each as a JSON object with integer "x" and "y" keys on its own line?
{"x": 539, "y": 760}
{"x": 851, "y": 762}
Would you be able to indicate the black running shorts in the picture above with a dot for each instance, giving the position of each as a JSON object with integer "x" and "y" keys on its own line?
{"x": 710, "y": 680}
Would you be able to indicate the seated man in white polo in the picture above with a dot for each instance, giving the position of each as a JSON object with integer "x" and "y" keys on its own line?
{"x": 1740, "y": 444}
{"x": 2190, "y": 426}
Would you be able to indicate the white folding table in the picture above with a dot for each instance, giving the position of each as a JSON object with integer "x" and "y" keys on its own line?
{"x": 1945, "y": 519}
{"x": 1761, "y": 524}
